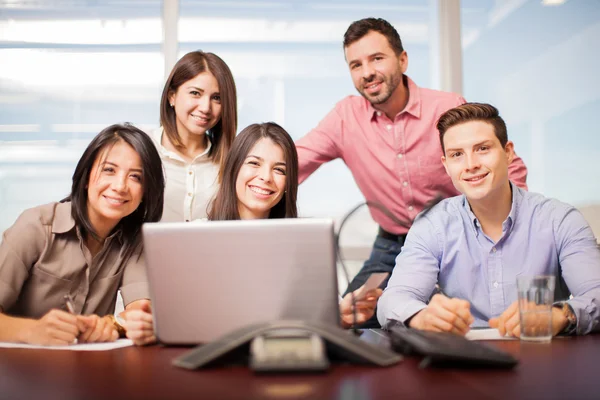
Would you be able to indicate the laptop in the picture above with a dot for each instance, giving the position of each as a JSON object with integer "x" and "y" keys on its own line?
{"x": 210, "y": 278}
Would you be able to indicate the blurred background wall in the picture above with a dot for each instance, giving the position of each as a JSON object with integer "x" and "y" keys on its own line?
{"x": 69, "y": 68}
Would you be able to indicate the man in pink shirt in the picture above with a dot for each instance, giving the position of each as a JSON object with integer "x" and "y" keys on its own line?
{"x": 387, "y": 138}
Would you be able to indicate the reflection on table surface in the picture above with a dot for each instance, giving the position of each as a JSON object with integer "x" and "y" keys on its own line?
{"x": 565, "y": 368}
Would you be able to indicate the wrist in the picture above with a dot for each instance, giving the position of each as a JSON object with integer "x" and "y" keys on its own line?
{"x": 116, "y": 325}
{"x": 24, "y": 331}
{"x": 415, "y": 320}
{"x": 564, "y": 319}
{"x": 558, "y": 320}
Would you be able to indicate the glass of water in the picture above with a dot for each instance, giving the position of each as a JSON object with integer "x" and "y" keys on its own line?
{"x": 536, "y": 295}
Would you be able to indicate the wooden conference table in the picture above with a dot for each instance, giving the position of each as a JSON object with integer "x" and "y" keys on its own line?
{"x": 565, "y": 369}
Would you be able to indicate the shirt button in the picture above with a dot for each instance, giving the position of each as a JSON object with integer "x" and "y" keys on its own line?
{"x": 410, "y": 208}
{"x": 190, "y": 172}
{"x": 190, "y": 194}
{"x": 399, "y": 155}
{"x": 495, "y": 285}
{"x": 493, "y": 249}
{"x": 187, "y": 220}
{"x": 389, "y": 127}
{"x": 405, "y": 184}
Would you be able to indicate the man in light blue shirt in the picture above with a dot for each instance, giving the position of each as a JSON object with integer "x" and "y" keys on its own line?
{"x": 475, "y": 246}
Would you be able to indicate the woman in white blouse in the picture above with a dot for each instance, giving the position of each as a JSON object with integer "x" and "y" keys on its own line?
{"x": 198, "y": 117}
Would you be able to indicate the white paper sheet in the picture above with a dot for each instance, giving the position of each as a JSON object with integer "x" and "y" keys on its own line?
{"x": 486, "y": 334}
{"x": 73, "y": 347}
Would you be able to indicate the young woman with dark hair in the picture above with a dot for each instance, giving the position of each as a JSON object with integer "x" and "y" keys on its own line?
{"x": 260, "y": 176}
{"x": 198, "y": 117}
{"x": 260, "y": 180}
{"x": 84, "y": 248}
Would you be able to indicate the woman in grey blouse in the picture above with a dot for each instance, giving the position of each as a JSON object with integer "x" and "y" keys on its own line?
{"x": 84, "y": 248}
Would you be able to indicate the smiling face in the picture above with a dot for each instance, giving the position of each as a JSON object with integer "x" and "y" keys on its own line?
{"x": 375, "y": 68}
{"x": 260, "y": 183}
{"x": 476, "y": 161}
{"x": 115, "y": 187}
{"x": 197, "y": 105}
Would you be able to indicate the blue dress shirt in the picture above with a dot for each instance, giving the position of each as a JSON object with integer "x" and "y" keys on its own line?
{"x": 447, "y": 246}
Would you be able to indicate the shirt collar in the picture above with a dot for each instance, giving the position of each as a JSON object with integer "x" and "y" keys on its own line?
{"x": 517, "y": 199}
{"x": 157, "y": 138}
{"x": 118, "y": 234}
{"x": 413, "y": 106}
{"x": 63, "y": 221}
{"x": 472, "y": 218}
{"x": 509, "y": 223}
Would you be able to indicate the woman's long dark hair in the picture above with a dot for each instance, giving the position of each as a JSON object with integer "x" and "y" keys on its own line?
{"x": 225, "y": 204}
{"x": 153, "y": 183}
{"x": 188, "y": 67}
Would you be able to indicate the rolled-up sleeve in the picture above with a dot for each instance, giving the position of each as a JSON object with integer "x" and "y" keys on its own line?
{"x": 579, "y": 258}
{"x": 414, "y": 278}
{"x": 21, "y": 247}
{"x": 134, "y": 285}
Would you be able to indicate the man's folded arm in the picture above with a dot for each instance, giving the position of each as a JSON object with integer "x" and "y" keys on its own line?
{"x": 414, "y": 278}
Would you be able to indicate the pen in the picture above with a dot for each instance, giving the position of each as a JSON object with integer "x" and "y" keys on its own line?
{"x": 440, "y": 291}
{"x": 69, "y": 304}
{"x": 70, "y": 308}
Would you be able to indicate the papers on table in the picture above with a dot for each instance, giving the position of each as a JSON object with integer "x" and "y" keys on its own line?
{"x": 73, "y": 347}
{"x": 486, "y": 334}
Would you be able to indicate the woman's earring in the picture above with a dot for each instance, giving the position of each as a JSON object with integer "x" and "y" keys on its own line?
{"x": 171, "y": 105}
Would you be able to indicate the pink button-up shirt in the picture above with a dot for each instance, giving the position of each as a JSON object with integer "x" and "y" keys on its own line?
{"x": 394, "y": 163}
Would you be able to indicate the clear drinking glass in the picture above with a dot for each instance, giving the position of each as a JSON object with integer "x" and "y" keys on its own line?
{"x": 536, "y": 295}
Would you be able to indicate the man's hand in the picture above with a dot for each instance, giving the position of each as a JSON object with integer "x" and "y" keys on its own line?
{"x": 55, "y": 328}
{"x": 98, "y": 329}
{"x": 444, "y": 314}
{"x": 365, "y": 307}
{"x": 138, "y": 322}
{"x": 509, "y": 323}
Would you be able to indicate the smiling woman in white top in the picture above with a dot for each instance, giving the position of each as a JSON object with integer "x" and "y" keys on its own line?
{"x": 198, "y": 117}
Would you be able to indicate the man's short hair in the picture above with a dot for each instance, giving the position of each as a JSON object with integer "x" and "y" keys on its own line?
{"x": 358, "y": 29}
{"x": 473, "y": 112}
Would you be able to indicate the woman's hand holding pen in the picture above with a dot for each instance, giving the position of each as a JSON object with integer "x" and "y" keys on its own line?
{"x": 92, "y": 328}
{"x": 138, "y": 322}
{"x": 55, "y": 328}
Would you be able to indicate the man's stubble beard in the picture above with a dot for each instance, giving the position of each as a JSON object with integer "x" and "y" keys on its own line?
{"x": 390, "y": 86}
